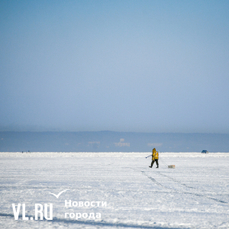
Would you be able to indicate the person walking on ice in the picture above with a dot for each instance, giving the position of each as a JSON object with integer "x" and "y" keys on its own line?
{"x": 155, "y": 157}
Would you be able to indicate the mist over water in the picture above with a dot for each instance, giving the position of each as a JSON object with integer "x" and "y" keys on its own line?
{"x": 108, "y": 141}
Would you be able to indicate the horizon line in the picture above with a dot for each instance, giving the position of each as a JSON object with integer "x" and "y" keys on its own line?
{"x": 96, "y": 131}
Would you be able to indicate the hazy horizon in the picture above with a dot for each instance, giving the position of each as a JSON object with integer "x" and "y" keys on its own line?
{"x": 38, "y": 130}
{"x": 111, "y": 141}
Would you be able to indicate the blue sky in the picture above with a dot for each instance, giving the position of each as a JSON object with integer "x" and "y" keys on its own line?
{"x": 143, "y": 66}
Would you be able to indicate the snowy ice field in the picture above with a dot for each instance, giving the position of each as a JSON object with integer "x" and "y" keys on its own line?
{"x": 117, "y": 190}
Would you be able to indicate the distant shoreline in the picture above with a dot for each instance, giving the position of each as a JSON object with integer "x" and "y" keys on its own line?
{"x": 109, "y": 141}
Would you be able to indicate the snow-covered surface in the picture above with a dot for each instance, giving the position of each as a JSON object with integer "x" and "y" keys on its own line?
{"x": 193, "y": 195}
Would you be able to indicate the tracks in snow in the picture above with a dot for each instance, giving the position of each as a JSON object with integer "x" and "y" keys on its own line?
{"x": 180, "y": 191}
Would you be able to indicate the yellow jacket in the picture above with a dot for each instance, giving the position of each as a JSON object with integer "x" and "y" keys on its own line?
{"x": 155, "y": 154}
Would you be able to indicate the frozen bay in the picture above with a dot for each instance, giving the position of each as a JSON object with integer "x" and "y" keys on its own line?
{"x": 119, "y": 187}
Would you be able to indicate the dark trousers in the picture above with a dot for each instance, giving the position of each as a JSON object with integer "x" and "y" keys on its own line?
{"x": 156, "y": 163}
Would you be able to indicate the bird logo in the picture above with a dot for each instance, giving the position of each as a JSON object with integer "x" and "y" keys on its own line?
{"x": 58, "y": 195}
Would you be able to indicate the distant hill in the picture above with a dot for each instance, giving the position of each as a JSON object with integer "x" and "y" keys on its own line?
{"x": 109, "y": 141}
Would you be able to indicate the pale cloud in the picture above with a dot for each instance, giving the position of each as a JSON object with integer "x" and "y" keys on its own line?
{"x": 94, "y": 144}
{"x": 122, "y": 143}
{"x": 154, "y": 144}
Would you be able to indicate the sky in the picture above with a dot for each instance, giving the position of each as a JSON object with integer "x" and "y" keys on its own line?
{"x": 130, "y": 66}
